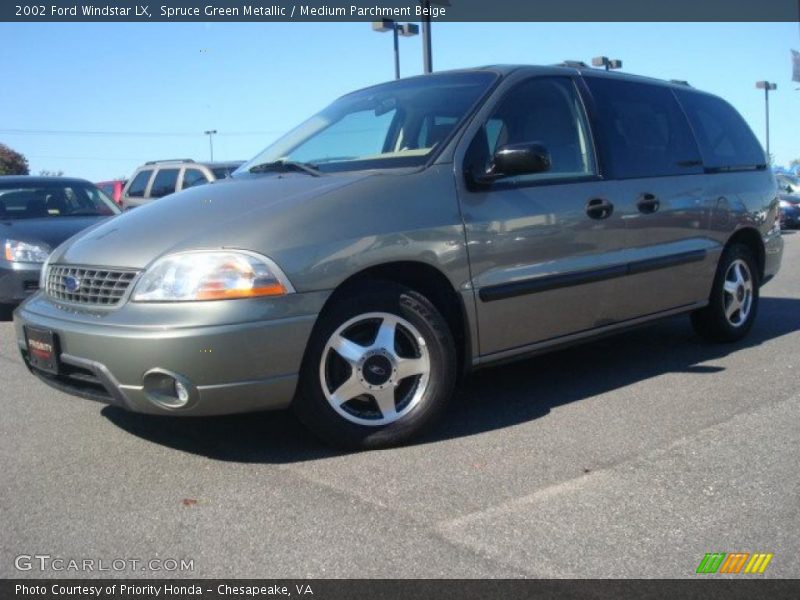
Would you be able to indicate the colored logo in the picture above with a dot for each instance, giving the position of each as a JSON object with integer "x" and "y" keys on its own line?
{"x": 377, "y": 370}
{"x": 734, "y": 562}
{"x": 71, "y": 283}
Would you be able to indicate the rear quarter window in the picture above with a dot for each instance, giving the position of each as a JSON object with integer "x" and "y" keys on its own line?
{"x": 642, "y": 130}
{"x": 725, "y": 140}
{"x": 139, "y": 183}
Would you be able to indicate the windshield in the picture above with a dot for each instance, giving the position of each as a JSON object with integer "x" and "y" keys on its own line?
{"x": 45, "y": 200}
{"x": 397, "y": 124}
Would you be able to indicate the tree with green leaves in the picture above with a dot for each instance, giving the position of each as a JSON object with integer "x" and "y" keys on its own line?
{"x": 12, "y": 162}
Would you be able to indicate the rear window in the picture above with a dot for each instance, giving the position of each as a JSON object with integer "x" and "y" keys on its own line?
{"x": 192, "y": 177}
{"x": 139, "y": 183}
{"x": 164, "y": 183}
{"x": 643, "y": 130}
{"x": 726, "y": 142}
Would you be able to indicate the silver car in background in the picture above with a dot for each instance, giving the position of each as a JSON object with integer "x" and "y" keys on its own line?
{"x": 408, "y": 233}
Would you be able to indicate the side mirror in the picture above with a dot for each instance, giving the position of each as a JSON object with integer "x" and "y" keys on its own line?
{"x": 521, "y": 159}
{"x": 516, "y": 159}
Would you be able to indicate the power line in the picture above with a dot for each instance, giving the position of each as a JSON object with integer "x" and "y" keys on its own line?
{"x": 111, "y": 158}
{"x": 131, "y": 133}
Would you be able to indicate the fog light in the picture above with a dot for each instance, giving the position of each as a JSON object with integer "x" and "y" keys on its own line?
{"x": 169, "y": 390}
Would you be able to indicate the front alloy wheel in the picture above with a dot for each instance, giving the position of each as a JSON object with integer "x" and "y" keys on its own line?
{"x": 379, "y": 368}
{"x": 375, "y": 369}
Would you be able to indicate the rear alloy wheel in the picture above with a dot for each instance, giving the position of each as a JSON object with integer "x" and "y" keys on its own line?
{"x": 380, "y": 367}
{"x": 737, "y": 293}
{"x": 734, "y": 298}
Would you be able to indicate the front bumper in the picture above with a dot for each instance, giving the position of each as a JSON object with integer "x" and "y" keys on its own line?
{"x": 236, "y": 355}
{"x": 18, "y": 281}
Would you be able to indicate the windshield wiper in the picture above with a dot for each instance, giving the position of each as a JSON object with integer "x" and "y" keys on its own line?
{"x": 284, "y": 166}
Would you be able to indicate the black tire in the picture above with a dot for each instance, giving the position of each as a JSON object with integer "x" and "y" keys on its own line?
{"x": 311, "y": 404}
{"x": 711, "y": 322}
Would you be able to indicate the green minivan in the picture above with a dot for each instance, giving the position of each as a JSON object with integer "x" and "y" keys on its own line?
{"x": 361, "y": 265}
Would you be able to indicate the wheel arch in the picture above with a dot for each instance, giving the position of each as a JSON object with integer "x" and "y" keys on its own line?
{"x": 751, "y": 238}
{"x": 428, "y": 281}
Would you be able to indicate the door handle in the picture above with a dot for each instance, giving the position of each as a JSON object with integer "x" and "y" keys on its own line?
{"x": 648, "y": 204}
{"x": 599, "y": 208}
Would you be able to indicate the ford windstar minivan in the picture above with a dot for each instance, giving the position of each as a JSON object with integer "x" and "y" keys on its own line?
{"x": 411, "y": 231}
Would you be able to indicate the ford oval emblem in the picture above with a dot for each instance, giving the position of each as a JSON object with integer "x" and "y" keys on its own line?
{"x": 72, "y": 283}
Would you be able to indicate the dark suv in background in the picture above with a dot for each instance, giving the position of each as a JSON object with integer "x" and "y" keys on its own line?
{"x": 159, "y": 178}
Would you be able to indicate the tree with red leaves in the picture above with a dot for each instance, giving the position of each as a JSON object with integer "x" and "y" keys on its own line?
{"x": 12, "y": 162}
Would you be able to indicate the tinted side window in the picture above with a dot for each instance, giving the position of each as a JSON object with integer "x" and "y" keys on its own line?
{"x": 164, "y": 183}
{"x": 643, "y": 130}
{"x": 725, "y": 139}
{"x": 544, "y": 110}
{"x": 193, "y": 177}
{"x": 139, "y": 183}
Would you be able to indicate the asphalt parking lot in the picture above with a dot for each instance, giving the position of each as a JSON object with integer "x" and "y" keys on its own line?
{"x": 632, "y": 456}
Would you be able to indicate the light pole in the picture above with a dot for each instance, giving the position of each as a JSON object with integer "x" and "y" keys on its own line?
{"x": 210, "y": 133}
{"x": 397, "y": 29}
{"x": 767, "y": 87}
{"x": 604, "y": 61}
{"x": 427, "y": 53}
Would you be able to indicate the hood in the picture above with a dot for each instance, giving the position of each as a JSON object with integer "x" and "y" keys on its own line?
{"x": 51, "y": 231}
{"x": 228, "y": 213}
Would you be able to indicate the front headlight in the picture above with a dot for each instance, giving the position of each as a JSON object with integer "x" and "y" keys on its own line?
{"x": 15, "y": 251}
{"x": 211, "y": 275}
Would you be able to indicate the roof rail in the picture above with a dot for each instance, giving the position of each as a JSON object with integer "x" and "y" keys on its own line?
{"x": 680, "y": 82}
{"x": 575, "y": 64}
{"x": 166, "y": 160}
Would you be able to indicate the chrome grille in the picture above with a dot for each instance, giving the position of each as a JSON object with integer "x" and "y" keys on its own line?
{"x": 86, "y": 285}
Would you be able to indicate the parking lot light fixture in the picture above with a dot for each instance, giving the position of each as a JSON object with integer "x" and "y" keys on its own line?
{"x": 397, "y": 29}
{"x": 210, "y": 133}
{"x": 767, "y": 87}
{"x": 607, "y": 63}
